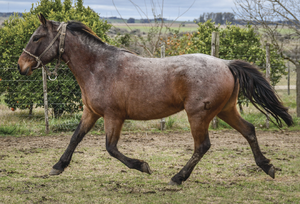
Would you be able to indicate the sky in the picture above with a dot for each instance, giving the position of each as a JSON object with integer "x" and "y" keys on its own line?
{"x": 126, "y": 8}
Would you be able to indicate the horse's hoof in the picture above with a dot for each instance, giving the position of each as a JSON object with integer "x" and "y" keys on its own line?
{"x": 146, "y": 168}
{"x": 173, "y": 183}
{"x": 55, "y": 172}
{"x": 271, "y": 172}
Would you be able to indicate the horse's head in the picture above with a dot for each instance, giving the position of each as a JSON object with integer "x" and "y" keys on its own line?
{"x": 42, "y": 47}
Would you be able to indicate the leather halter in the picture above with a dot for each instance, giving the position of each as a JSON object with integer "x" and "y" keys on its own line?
{"x": 62, "y": 34}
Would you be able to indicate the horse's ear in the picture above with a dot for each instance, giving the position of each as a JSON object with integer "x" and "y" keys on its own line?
{"x": 42, "y": 19}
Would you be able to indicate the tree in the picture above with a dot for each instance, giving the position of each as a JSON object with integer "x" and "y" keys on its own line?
{"x": 218, "y": 18}
{"x": 279, "y": 21}
{"x": 131, "y": 20}
{"x": 25, "y": 92}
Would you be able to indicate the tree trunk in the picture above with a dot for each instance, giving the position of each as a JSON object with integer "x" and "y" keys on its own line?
{"x": 30, "y": 109}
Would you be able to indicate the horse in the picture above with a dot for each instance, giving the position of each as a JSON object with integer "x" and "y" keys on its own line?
{"x": 119, "y": 85}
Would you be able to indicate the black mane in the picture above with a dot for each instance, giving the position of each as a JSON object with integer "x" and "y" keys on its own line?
{"x": 76, "y": 26}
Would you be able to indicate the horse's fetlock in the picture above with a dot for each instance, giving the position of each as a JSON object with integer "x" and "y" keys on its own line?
{"x": 61, "y": 165}
{"x": 263, "y": 163}
{"x": 177, "y": 179}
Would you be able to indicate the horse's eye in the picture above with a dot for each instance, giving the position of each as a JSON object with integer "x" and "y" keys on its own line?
{"x": 36, "y": 38}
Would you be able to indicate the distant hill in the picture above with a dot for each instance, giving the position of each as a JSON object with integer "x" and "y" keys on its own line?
{"x": 120, "y": 20}
{"x": 8, "y": 14}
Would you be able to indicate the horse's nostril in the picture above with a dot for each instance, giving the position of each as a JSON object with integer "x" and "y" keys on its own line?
{"x": 19, "y": 67}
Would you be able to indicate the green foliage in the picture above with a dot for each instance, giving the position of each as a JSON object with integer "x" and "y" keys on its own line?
{"x": 125, "y": 40}
{"x": 23, "y": 91}
{"x": 45, "y": 6}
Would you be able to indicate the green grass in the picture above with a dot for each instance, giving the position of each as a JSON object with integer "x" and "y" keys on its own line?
{"x": 146, "y": 28}
{"x": 226, "y": 174}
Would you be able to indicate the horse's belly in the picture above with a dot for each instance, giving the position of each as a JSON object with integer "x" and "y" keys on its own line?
{"x": 149, "y": 109}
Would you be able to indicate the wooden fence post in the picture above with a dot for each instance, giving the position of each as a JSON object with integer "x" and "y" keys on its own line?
{"x": 163, "y": 120}
{"x": 215, "y": 43}
{"x": 298, "y": 89}
{"x": 45, "y": 100}
{"x": 268, "y": 70}
{"x": 289, "y": 77}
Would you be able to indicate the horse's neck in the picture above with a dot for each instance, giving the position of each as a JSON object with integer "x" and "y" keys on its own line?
{"x": 82, "y": 59}
{"x": 78, "y": 54}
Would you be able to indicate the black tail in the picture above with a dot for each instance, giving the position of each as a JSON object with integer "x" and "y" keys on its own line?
{"x": 258, "y": 90}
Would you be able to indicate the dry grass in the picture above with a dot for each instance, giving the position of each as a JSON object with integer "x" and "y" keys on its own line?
{"x": 226, "y": 174}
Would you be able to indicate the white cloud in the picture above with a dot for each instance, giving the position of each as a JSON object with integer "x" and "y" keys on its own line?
{"x": 15, "y": 3}
{"x": 107, "y": 8}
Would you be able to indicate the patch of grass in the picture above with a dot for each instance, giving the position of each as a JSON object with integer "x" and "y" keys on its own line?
{"x": 65, "y": 124}
{"x": 13, "y": 130}
{"x": 7, "y": 130}
{"x": 146, "y": 27}
{"x": 226, "y": 174}
{"x": 170, "y": 122}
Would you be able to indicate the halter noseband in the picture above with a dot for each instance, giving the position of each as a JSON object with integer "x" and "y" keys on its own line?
{"x": 62, "y": 34}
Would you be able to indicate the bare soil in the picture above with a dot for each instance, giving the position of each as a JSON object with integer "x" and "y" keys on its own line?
{"x": 226, "y": 174}
{"x": 219, "y": 140}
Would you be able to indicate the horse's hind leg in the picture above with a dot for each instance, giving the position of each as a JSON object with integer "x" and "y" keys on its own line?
{"x": 113, "y": 128}
{"x": 199, "y": 131}
{"x": 87, "y": 122}
{"x": 233, "y": 118}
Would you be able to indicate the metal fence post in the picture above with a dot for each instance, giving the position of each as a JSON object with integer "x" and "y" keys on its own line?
{"x": 45, "y": 100}
{"x": 268, "y": 70}
{"x": 163, "y": 120}
{"x": 215, "y": 43}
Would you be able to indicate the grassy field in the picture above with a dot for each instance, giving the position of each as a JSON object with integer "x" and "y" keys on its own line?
{"x": 146, "y": 27}
{"x": 226, "y": 174}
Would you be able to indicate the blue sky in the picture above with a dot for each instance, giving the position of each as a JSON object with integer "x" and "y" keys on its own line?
{"x": 106, "y": 8}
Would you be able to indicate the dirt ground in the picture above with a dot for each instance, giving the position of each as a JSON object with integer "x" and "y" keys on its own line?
{"x": 219, "y": 139}
{"x": 226, "y": 174}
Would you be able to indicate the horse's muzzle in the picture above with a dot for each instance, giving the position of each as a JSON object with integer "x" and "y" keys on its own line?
{"x": 24, "y": 72}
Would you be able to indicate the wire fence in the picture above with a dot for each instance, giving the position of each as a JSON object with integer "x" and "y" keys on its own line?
{"x": 22, "y": 101}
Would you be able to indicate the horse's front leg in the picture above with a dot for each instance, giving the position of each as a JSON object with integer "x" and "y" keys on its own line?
{"x": 88, "y": 120}
{"x": 113, "y": 128}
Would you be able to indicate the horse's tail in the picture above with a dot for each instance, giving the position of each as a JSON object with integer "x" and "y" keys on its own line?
{"x": 258, "y": 90}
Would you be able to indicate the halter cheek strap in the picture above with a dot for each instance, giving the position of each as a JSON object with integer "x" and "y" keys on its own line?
{"x": 62, "y": 34}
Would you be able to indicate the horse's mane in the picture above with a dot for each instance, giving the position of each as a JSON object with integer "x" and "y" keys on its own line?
{"x": 76, "y": 26}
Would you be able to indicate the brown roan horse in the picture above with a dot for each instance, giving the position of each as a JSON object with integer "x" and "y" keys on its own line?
{"x": 118, "y": 85}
